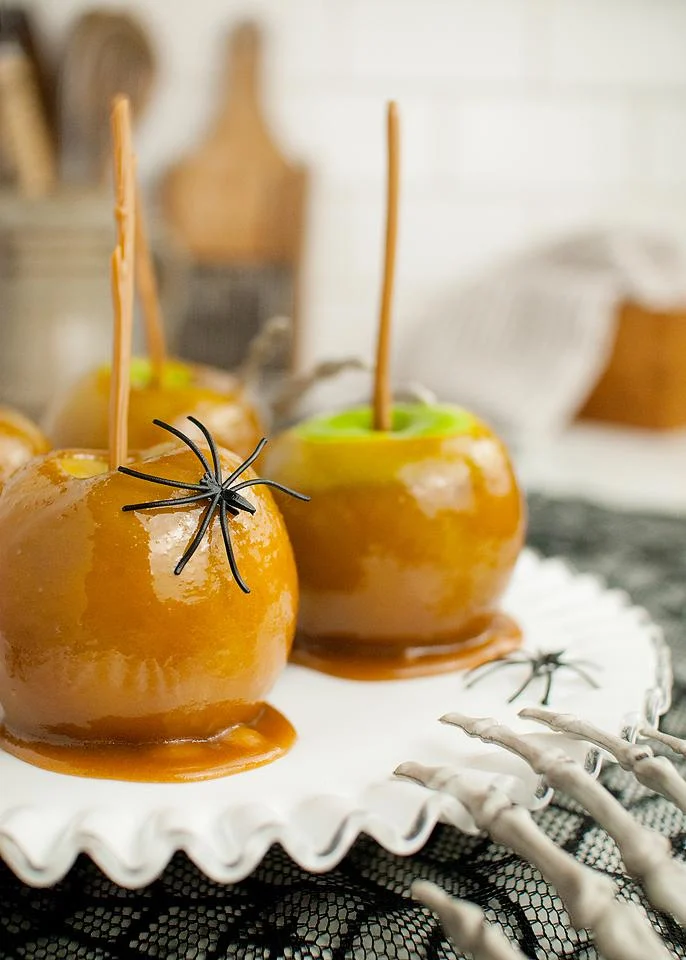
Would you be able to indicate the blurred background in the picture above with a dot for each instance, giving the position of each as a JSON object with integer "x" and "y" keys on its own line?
{"x": 541, "y": 268}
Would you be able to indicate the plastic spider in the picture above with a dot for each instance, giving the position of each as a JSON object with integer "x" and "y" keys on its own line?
{"x": 223, "y": 494}
{"x": 540, "y": 665}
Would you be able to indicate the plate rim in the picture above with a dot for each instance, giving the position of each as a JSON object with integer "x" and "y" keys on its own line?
{"x": 159, "y": 838}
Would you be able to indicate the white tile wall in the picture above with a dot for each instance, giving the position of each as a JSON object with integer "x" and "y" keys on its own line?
{"x": 634, "y": 44}
{"x": 522, "y": 120}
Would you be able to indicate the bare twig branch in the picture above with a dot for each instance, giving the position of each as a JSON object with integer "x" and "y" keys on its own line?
{"x": 656, "y": 773}
{"x": 466, "y": 924}
{"x": 620, "y": 931}
{"x": 262, "y": 348}
{"x": 647, "y": 855}
{"x": 297, "y": 387}
{"x": 414, "y": 392}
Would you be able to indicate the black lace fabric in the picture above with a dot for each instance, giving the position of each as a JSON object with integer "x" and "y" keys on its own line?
{"x": 362, "y": 909}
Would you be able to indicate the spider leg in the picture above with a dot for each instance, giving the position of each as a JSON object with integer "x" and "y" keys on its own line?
{"x": 187, "y": 440}
{"x": 213, "y": 448}
{"x": 582, "y": 673}
{"x": 229, "y": 548}
{"x": 168, "y": 483}
{"x": 271, "y": 483}
{"x": 582, "y": 663}
{"x": 246, "y": 463}
{"x": 486, "y": 669}
{"x": 520, "y": 690}
{"x": 173, "y": 501}
{"x": 237, "y": 502}
{"x": 200, "y": 533}
{"x": 548, "y": 687}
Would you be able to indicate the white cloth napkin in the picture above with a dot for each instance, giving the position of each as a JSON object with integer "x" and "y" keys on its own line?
{"x": 524, "y": 345}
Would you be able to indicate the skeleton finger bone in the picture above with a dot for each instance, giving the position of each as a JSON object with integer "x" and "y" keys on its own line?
{"x": 656, "y": 773}
{"x": 647, "y": 855}
{"x": 466, "y": 924}
{"x": 621, "y": 932}
{"x": 674, "y": 743}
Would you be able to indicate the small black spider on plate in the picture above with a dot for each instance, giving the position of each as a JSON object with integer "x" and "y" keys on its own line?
{"x": 541, "y": 664}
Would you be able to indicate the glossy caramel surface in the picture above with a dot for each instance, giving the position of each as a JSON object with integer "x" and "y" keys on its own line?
{"x": 100, "y": 642}
{"x": 213, "y": 396}
{"x": 20, "y": 441}
{"x": 408, "y": 542}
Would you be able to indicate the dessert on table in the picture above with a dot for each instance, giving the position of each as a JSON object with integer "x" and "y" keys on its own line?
{"x": 147, "y": 605}
{"x": 415, "y": 525}
{"x": 177, "y": 390}
{"x": 161, "y": 386}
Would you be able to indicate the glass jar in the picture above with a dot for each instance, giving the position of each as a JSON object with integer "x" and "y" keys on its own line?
{"x": 55, "y": 294}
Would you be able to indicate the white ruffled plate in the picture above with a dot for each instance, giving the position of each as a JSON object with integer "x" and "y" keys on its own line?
{"x": 337, "y": 781}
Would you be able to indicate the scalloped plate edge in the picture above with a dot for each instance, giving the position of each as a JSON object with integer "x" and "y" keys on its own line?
{"x": 157, "y": 843}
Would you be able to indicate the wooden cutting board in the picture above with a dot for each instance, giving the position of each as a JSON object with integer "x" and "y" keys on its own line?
{"x": 238, "y": 206}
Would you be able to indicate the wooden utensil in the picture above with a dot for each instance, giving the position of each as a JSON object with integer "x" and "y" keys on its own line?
{"x": 238, "y": 206}
{"x": 25, "y": 130}
{"x": 106, "y": 54}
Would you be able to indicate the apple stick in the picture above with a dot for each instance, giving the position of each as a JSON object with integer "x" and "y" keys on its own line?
{"x": 383, "y": 401}
{"x": 122, "y": 279}
{"x": 148, "y": 296}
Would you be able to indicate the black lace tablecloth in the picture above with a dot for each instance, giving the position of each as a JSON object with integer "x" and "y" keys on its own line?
{"x": 362, "y": 909}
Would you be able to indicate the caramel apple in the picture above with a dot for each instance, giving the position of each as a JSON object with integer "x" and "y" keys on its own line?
{"x": 113, "y": 664}
{"x": 20, "y": 441}
{"x": 414, "y": 528}
{"x": 147, "y": 604}
{"x": 160, "y": 386}
{"x": 408, "y": 543}
{"x": 180, "y": 390}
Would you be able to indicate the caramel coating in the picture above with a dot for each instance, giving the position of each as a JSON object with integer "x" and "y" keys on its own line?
{"x": 100, "y": 641}
{"x": 408, "y": 542}
{"x": 213, "y": 396}
{"x": 20, "y": 441}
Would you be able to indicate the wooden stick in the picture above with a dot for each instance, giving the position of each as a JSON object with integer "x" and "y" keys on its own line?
{"x": 122, "y": 279}
{"x": 148, "y": 296}
{"x": 383, "y": 400}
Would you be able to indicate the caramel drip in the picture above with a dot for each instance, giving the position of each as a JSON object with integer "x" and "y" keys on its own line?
{"x": 122, "y": 278}
{"x": 382, "y": 382}
{"x": 148, "y": 296}
{"x": 243, "y": 747}
{"x": 491, "y": 637}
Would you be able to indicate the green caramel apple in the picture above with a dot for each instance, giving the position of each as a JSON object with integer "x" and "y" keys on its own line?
{"x": 409, "y": 541}
{"x": 217, "y": 398}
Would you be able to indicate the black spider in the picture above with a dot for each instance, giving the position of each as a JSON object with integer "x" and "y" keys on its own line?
{"x": 541, "y": 665}
{"x": 221, "y": 493}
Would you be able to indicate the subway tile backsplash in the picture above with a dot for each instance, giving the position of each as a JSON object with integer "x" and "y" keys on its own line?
{"x": 522, "y": 120}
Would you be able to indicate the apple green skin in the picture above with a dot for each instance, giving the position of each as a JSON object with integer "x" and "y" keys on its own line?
{"x": 100, "y": 641}
{"x": 411, "y": 535}
{"x": 218, "y": 399}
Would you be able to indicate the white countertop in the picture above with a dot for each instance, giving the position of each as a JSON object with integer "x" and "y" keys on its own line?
{"x": 619, "y": 467}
